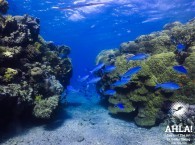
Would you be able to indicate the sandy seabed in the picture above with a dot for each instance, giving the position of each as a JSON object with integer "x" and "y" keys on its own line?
{"x": 87, "y": 123}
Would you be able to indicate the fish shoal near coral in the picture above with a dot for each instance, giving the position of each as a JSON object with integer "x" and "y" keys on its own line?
{"x": 141, "y": 100}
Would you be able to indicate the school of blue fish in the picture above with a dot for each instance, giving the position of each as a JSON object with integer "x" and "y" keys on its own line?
{"x": 125, "y": 78}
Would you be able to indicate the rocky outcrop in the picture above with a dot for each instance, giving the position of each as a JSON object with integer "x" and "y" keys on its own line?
{"x": 18, "y": 30}
{"x": 33, "y": 73}
{"x": 3, "y": 6}
{"x": 141, "y": 100}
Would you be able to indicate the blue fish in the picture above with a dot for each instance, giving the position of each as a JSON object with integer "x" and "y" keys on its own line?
{"x": 109, "y": 69}
{"x": 125, "y": 78}
{"x": 180, "y": 47}
{"x": 131, "y": 71}
{"x": 70, "y": 89}
{"x": 84, "y": 78}
{"x": 180, "y": 69}
{"x": 168, "y": 86}
{"x": 98, "y": 67}
{"x": 120, "y": 106}
{"x": 94, "y": 80}
{"x": 140, "y": 56}
{"x": 120, "y": 83}
{"x": 110, "y": 92}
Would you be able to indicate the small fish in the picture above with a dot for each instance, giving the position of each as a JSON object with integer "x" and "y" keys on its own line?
{"x": 125, "y": 78}
{"x": 140, "y": 56}
{"x": 94, "y": 80}
{"x": 120, "y": 83}
{"x": 180, "y": 47}
{"x": 84, "y": 78}
{"x": 131, "y": 71}
{"x": 168, "y": 86}
{"x": 109, "y": 69}
{"x": 70, "y": 89}
{"x": 120, "y": 106}
{"x": 180, "y": 69}
{"x": 98, "y": 67}
{"x": 109, "y": 92}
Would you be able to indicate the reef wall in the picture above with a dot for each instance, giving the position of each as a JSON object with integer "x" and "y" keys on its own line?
{"x": 139, "y": 97}
{"x": 33, "y": 73}
{"x": 3, "y": 6}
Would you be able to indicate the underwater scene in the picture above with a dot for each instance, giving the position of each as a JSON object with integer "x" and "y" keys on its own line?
{"x": 97, "y": 72}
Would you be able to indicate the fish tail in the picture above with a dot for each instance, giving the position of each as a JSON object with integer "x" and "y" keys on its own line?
{"x": 157, "y": 86}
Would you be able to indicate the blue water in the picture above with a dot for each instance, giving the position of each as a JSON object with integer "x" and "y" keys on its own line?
{"x": 88, "y": 30}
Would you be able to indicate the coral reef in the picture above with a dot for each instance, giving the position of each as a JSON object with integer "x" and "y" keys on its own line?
{"x": 32, "y": 73}
{"x": 162, "y": 41}
{"x": 18, "y": 30}
{"x": 107, "y": 56}
{"x": 3, "y": 6}
{"x": 139, "y": 97}
{"x": 45, "y": 107}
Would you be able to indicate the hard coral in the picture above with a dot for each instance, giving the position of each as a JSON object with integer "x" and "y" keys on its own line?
{"x": 9, "y": 74}
{"x": 139, "y": 95}
{"x": 3, "y": 6}
{"x": 28, "y": 72}
{"x": 107, "y": 56}
{"x": 44, "y": 108}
